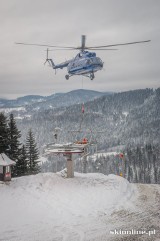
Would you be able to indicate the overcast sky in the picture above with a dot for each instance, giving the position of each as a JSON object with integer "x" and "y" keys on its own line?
{"x": 55, "y": 22}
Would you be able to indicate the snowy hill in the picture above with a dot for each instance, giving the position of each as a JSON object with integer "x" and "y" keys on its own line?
{"x": 124, "y": 118}
{"x": 87, "y": 207}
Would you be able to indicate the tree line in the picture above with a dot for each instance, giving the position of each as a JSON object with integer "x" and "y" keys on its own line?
{"x": 24, "y": 155}
{"x": 141, "y": 164}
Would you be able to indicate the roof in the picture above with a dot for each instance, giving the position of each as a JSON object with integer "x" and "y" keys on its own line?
{"x": 5, "y": 160}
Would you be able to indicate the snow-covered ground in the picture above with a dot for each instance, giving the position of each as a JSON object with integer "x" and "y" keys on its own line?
{"x": 88, "y": 207}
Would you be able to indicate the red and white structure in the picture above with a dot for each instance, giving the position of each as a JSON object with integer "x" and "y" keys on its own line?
{"x": 5, "y": 167}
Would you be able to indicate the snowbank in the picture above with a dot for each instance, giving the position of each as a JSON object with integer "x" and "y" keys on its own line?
{"x": 48, "y": 207}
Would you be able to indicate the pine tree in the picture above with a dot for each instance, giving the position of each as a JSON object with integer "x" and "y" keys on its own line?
{"x": 14, "y": 143}
{"x": 14, "y": 136}
{"x": 22, "y": 163}
{"x": 32, "y": 153}
{"x": 4, "y": 141}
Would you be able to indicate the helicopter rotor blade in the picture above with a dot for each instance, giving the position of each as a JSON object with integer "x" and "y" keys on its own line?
{"x": 46, "y": 57}
{"x": 100, "y": 49}
{"x": 61, "y": 49}
{"x": 111, "y": 45}
{"x": 45, "y": 45}
{"x": 47, "y": 53}
{"x": 83, "y": 47}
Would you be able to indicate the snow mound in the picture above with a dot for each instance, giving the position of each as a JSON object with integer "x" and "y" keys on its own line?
{"x": 48, "y": 207}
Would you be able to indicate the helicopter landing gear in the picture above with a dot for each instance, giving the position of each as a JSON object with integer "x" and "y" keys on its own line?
{"x": 67, "y": 77}
{"x": 92, "y": 76}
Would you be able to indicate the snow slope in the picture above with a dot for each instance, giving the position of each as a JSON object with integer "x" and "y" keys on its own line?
{"x": 47, "y": 207}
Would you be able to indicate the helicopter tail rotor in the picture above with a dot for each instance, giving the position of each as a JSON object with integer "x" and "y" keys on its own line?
{"x": 46, "y": 57}
{"x": 50, "y": 61}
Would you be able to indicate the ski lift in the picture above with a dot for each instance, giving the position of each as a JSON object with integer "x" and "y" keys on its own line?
{"x": 80, "y": 146}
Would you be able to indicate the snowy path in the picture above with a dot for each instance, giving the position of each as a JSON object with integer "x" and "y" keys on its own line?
{"x": 50, "y": 208}
{"x": 146, "y": 215}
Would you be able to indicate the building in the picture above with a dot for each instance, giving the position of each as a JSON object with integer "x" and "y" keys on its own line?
{"x": 5, "y": 167}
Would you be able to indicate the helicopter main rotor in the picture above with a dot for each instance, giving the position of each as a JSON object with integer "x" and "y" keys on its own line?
{"x": 83, "y": 47}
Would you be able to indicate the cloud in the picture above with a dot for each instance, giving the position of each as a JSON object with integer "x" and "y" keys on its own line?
{"x": 62, "y": 23}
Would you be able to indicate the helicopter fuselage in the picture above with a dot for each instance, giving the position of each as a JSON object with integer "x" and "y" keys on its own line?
{"x": 85, "y": 63}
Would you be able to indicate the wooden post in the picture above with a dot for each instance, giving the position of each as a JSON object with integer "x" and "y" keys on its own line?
{"x": 123, "y": 167}
{"x": 70, "y": 166}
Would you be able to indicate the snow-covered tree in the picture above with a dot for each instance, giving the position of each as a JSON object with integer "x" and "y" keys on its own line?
{"x": 22, "y": 163}
{"x": 14, "y": 136}
{"x": 32, "y": 153}
{"x": 14, "y": 142}
{"x": 4, "y": 141}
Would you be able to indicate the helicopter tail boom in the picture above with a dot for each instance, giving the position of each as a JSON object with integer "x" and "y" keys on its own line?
{"x": 56, "y": 66}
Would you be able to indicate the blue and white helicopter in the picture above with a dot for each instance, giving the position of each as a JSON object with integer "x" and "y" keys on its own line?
{"x": 85, "y": 63}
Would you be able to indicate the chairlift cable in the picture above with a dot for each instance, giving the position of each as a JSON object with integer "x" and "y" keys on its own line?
{"x": 82, "y": 82}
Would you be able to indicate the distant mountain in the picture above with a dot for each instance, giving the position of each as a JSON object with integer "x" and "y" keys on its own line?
{"x": 32, "y": 103}
{"x": 67, "y": 99}
{"x": 131, "y": 117}
{"x": 22, "y": 101}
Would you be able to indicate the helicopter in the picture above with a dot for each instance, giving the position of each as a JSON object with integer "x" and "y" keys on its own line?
{"x": 85, "y": 63}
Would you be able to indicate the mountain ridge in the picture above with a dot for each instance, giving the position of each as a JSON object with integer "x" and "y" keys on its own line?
{"x": 56, "y": 100}
{"x": 125, "y": 118}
